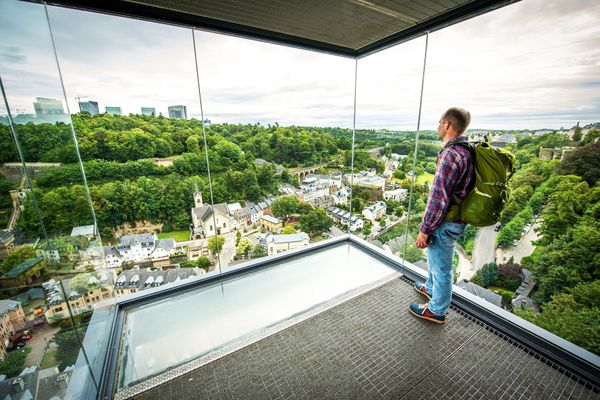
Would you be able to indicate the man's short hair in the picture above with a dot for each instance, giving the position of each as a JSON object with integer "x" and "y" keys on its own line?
{"x": 458, "y": 117}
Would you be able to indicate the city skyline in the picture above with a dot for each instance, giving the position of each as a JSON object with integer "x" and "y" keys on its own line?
{"x": 546, "y": 79}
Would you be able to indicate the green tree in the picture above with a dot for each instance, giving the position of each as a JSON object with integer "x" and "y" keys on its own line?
{"x": 203, "y": 262}
{"x": 413, "y": 253}
{"x": 486, "y": 275}
{"x": 573, "y": 315}
{"x": 315, "y": 221}
{"x": 244, "y": 246}
{"x": 213, "y": 241}
{"x": 258, "y": 251}
{"x": 583, "y": 161}
{"x": 13, "y": 362}
{"x": 289, "y": 229}
{"x": 285, "y": 207}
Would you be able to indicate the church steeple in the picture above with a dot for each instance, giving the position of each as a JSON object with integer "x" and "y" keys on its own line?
{"x": 197, "y": 196}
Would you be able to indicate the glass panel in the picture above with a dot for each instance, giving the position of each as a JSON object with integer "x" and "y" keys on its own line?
{"x": 389, "y": 88}
{"x": 536, "y": 97}
{"x": 49, "y": 290}
{"x": 278, "y": 134}
{"x": 238, "y": 307}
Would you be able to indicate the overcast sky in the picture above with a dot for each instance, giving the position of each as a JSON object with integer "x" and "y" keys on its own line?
{"x": 534, "y": 64}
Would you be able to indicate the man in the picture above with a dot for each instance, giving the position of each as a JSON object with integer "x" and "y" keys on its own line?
{"x": 453, "y": 177}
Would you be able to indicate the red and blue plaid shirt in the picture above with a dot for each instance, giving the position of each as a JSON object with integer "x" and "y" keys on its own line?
{"x": 453, "y": 174}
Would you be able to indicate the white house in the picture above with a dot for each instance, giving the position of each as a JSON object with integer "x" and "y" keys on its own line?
{"x": 398, "y": 194}
{"x": 280, "y": 243}
{"x": 375, "y": 211}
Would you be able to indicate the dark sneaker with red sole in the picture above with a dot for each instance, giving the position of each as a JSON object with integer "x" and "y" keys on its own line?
{"x": 419, "y": 287}
{"x": 422, "y": 311}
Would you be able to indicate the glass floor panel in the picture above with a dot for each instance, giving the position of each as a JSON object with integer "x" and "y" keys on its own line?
{"x": 169, "y": 332}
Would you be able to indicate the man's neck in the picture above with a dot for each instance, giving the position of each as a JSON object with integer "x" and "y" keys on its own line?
{"x": 449, "y": 137}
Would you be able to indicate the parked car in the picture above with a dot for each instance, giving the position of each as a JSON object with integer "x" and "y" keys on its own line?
{"x": 21, "y": 339}
{"x": 498, "y": 226}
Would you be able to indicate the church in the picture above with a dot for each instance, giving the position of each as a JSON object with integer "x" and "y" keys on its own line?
{"x": 207, "y": 219}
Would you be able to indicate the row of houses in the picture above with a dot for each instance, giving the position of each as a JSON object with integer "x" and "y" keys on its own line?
{"x": 344, "y": 218}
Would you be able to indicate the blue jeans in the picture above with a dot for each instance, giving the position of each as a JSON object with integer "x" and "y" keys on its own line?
{"x": 440, "y": 271}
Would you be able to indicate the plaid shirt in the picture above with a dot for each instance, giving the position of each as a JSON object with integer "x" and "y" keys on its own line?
{"x": 454, "y": 174}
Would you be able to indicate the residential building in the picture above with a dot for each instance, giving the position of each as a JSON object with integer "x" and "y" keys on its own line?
{"x": 65, "y": 248}
{"x": 87, "y": 231}
{"x": 113, "y": 110}
{"x": 112, "y": 257}
{"x": 80, "y": 300}
{"x": 45, "y": 107}
{"x": 280, "y": 243}
{"x": 148, "y": 111}
{"x": 322, "y": 201}
{"x": 15, "y": 313}
{"x": 483, "y": 293}
{"x": 134, "y": 280}
{"x": 344, "y": 218}
{"x": 375, "y": 211}
{"x": 270, "y": 223}
{"x": 89, "y": 107}
{"x": 145, "y": 247}
{"x": 6, "y": 334}
{"x": 397, "y": 194}
{"x": 342, "y": 196}
{"x": 504, "y": 140}
{"x": 178, "y": 112}
{"x": 24, "y": 273}
{"x": 7, "y": 240}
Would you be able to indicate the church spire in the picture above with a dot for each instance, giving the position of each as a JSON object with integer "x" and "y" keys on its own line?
{"x": 197, "y": 196}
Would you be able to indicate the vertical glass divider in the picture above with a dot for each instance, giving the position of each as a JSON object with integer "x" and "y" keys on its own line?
{"x": 212, "y": 201}
{"x": 412, "y": 178}
{"x": 62, "y": 85}
{"x": 352, "y": 154}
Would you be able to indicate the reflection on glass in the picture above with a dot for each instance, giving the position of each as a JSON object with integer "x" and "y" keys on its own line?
{"x": 276, "y": 157}
{"x": 389, "y": 85}
{"x": 207, "y": 318}
{"x": 50, "y": 285}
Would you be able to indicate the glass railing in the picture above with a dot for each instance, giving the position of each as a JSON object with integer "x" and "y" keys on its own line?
{"x": 138, "y": 155}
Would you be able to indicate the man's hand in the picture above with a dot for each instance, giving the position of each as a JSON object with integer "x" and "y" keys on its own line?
{"x": 422, "y": 240}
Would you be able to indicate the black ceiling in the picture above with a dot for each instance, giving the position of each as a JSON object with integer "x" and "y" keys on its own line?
{"x": 351, "y": 28}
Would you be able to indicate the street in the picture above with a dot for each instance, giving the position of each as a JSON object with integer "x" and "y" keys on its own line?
{"x": 523, "y": 248}
{"x": 39, "y": 339}
{"x": 484, "y": 249}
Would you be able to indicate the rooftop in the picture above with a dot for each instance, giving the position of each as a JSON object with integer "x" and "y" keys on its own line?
{"x": 21, "y": 268}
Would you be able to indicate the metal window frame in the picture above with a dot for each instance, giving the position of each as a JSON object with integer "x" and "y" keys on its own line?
{"x": 572, "y": 358}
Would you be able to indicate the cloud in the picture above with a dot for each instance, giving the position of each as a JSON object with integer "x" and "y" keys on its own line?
{"x": 527, "y": 65}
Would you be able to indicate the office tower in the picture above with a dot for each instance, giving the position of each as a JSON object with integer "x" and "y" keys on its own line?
{"x": 113, "y": 110}
{"x": 90, "y": 107}
{"x": 177, "y": 112}
{"x": 148, "y": 111}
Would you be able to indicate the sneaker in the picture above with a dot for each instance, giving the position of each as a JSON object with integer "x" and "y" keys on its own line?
{"x": 422, "y": 311}
{"x": 419, "y": 287}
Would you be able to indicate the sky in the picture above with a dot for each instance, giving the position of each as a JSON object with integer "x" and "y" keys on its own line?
{"x": 534, "y": 64}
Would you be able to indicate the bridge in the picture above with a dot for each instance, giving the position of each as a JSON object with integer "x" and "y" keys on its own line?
{"x": 302, "y": 173}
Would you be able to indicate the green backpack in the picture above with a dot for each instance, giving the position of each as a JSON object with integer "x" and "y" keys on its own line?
{"x": 493, "y": 169}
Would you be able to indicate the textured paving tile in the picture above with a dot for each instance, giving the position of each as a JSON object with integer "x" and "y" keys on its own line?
{"x": 372, "y": 348}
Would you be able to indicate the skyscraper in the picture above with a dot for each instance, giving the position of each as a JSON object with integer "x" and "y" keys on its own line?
{"x": 45, "y": 107}
{"x": 148, "y": 111}
{"x": 113, "y": 110}
{"x": 177, "y": 112}
{"x": 89, "y": 106}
